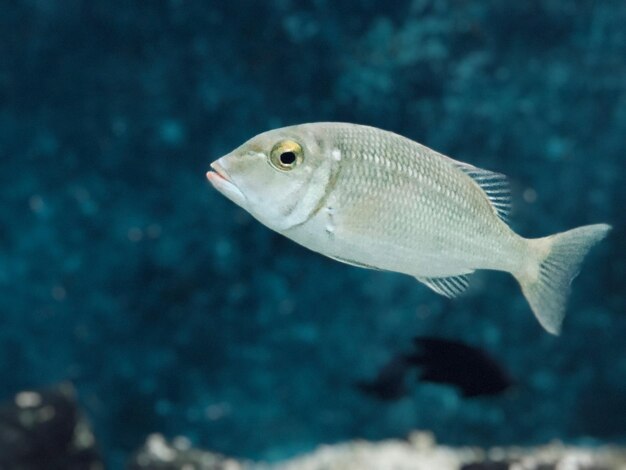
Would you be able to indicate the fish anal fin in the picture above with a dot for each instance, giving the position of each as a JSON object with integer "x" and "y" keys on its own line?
{"x": 447, "y": 286}
{"x": 494, "y": 185}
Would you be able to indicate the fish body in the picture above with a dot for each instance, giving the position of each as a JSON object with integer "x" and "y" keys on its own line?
{"x": 375, "y": 199}
{"x": 396, "y": 205}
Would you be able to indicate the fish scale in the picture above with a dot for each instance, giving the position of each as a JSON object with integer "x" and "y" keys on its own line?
{"x": 374, "y": 199}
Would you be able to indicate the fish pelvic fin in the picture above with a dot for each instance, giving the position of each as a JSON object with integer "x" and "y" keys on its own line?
{"x": 546, "y": 281}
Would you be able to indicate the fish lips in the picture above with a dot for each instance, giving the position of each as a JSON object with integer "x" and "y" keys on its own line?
{"x": 222, "y": 181}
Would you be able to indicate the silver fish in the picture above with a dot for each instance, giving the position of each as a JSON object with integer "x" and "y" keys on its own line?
{"x": 374, "y": 199}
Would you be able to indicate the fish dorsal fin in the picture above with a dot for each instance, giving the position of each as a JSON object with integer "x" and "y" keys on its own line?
{"x": 447, "y": 286}
{"x": 494, "y": 185}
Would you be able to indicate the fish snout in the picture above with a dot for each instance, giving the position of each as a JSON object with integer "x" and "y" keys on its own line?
{"x": 221, "y": 180}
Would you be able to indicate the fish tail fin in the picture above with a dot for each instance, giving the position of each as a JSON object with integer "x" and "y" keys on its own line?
{"x": 555, "y": 261}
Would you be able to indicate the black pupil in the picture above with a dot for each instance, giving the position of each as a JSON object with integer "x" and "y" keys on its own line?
{"x": 287, "y": 158}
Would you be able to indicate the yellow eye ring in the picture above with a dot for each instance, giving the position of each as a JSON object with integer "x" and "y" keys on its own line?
{"x": 286, "y": 155}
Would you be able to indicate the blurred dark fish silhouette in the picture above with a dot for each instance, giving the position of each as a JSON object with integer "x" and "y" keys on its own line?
{"x": 390, "y": 383}
{"x": 469, "y": 369}
{"x": 465, "y": 367}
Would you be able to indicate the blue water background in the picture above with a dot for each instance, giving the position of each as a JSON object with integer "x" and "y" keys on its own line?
{"x": 173, "y": 311}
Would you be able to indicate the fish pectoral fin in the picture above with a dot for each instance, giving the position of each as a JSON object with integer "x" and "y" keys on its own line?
{"x": 494, "y": 185}
{"x": 447, "y": 286}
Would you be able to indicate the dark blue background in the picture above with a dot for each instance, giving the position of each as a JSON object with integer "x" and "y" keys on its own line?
{"x": 173, "y": 311}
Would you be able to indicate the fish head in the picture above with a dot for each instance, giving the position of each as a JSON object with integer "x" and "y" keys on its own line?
{"x": 279, "y": 176}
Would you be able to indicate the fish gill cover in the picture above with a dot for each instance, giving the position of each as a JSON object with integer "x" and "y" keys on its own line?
{"x": 171, "y": 310}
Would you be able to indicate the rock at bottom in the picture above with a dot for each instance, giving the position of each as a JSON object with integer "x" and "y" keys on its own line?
{"x": 419, "y": 452}
{"x": 46, "y": 430}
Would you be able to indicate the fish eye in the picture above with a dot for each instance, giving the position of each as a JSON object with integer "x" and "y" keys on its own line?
{"x": 286, "y": 155}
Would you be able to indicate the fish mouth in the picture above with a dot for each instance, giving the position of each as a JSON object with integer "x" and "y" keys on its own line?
{"x": 218, "y": 172}
{"x": 222, "y": 181}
